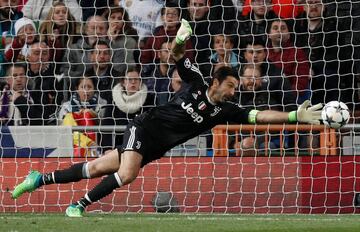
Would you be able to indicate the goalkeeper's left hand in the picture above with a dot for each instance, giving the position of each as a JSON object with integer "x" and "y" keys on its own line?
{"x": 184, "y": 32}
{"x": 306, "y": 114}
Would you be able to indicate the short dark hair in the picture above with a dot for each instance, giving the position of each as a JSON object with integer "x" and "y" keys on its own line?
{"x": 99, "y": 42}
{"x": 14, "y": 65}
{"x": 255, "y": 40}
{"x": 222, "y": 73}
{"x": 170, "y": 5}
{"x": 79, "y": 79}
{"x": 251, "y": 66}
{"x": 289, "y": 23}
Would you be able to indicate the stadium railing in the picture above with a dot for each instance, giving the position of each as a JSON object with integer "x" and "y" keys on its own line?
{"x": 327, "y": 136}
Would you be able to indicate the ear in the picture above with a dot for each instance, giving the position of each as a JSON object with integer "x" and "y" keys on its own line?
{"x": 158, "y": 54}
{"x": 216, "y": 83}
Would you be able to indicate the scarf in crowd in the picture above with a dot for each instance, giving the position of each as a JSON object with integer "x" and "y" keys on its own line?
{"x": 77, "y": 104}
{"x": 129, "y": 103}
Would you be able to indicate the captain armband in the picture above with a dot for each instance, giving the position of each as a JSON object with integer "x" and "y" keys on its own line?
{"x": 252, "y": 116}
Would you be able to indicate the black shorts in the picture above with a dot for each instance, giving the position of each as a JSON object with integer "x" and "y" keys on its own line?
{"x": 136, "y": 139}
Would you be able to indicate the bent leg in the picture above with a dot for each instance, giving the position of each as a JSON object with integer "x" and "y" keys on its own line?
{"x": 129, "y": 167}
{"x": 104, "y": 165}
{"x": 128, "y": 171}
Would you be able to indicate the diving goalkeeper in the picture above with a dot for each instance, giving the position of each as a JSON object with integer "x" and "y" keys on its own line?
{"x": 191, "y": 112}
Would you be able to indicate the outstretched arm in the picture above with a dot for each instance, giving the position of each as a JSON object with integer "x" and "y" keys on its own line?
{"x": 178, "y": 44}
{"x": 304, "y": 114}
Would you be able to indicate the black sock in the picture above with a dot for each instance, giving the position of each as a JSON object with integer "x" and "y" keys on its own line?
{"x": 83, "y": 202}
{"x": 104, "y": 188}
{"x": 75, "y": 173}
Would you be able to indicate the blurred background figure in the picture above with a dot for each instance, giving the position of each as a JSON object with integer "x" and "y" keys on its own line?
{"x": 123, "y": 38}
{"x": 77, "y": 56}
{"x": 130, "y": 98}
{"x": 58, "y": 31}
{"x": 83, "y": 109}
{"x": 38, "y": 10}
{"x": 16, "y": 102}
{"x": 145, "y": 20}
{"x": 25, "y": 34}
{"x": 290, "y": 59}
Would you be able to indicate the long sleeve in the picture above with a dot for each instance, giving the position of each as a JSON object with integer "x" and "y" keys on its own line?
{"x": 28, "y": 10}
{"x": 75, "y": 9}
{"x": 12, "y": 52}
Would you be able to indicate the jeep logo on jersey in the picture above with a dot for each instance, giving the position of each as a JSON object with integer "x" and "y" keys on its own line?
{"x": 197, "y": 118}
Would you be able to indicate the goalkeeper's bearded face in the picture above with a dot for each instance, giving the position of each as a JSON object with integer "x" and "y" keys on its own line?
{"x": 225, "y": 90}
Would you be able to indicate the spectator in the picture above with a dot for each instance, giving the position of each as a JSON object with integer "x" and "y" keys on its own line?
{"x": 38, "y": 10}
{"x": 83, "y": 109}
{"x": 101, "y": 67}
{"x": 197, "y": 13}
{"x": 158, "y": 78}
{"x": 222, "y": 16}
{"x": 25, "y": 34}
{"x": 223, "y": 54}
{"x": 256, "y": 23}
{"x": 170, "y": 15}
{"x": 16, "y": 102}
{"x": 286, "y": 9}
{"x": 123, "y": 38}
{"x": 47, "y": 91}
{"x": 130, "y": 98}
{"x": 58, "y": 31}
{"x": 317, "y": 36}
{"x": 145, "y": 20}
{"x": 290, "y": 59}
{"x": 273, "y": 79}
{"x": 94, "y": 7}
{"x": 77, "y": 57}
{"x": 255, "y": 94}
{"x": 222, "y": 13}
{"x": 8, "y": 16}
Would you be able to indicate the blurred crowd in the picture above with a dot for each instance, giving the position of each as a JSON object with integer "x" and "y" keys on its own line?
{"x": 92, "y": 62}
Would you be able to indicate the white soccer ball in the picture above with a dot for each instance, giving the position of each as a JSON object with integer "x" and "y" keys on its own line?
{"x": 335, "y": 114}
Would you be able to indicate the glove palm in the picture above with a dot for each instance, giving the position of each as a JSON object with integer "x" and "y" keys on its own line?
{"x": 311, "y": 115}
{"x": 184, "y": 32}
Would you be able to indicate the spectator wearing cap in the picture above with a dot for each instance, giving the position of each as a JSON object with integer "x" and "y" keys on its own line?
{"x": 25, "y": 32}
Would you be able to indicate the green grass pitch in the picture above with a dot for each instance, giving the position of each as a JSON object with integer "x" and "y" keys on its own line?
{"x": 92, "y": 222}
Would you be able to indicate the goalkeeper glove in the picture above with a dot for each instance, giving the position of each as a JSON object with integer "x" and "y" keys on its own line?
{"x": 306, "y": 114}
{"x": 184, "y": 32}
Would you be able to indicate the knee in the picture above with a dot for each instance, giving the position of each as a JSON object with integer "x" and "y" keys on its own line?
{"x": 127, "y": 176}
{"x": 96, "y": 169}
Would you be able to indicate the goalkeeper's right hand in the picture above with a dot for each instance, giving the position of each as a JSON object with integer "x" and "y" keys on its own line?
{"x": 184, "y": 32}
{"x": 306, "y": 114}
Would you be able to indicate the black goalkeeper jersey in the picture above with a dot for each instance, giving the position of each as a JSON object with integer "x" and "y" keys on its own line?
{"x": 189, "y": 113}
